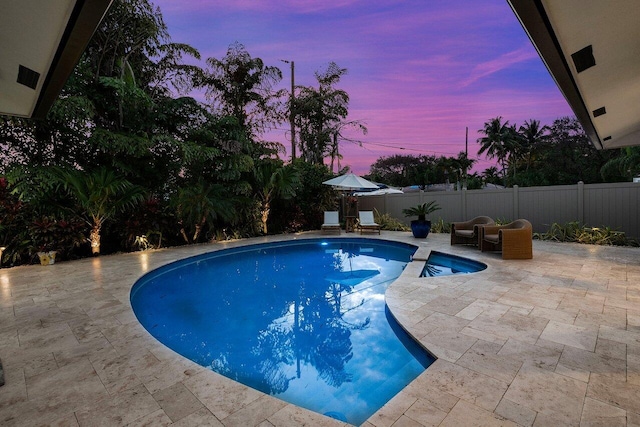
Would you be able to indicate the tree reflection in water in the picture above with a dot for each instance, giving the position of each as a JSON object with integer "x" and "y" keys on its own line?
{"x": 309, "y": 328}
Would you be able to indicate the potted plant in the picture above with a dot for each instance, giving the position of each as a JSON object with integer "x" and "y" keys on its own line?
{"x": 420, "y": 227}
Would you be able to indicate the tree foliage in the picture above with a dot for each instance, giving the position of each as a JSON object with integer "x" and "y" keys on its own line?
{"x": 624, "y": 166}
{"x": 556, "y": 154}
{"x": 321, "y": 116}
{"x": 529, "y": 155}
{"x": 242, "y": 87}
{"x": 406, "y": 170}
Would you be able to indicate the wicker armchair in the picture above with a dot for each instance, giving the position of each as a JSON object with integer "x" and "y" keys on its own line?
{"x": 466, "y": 233}
{"x": 513, "y": 239}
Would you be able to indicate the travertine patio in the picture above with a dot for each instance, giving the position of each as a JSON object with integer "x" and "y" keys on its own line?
{"x": 551, "y": 341}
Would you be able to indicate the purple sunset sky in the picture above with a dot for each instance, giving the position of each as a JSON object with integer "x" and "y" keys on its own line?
{"x": 419, "y": 71}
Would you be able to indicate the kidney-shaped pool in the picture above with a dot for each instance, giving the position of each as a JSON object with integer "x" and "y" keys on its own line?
{"x": 304, "y": 320}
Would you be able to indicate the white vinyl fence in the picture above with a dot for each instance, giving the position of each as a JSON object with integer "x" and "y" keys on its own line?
{"x": 614, "y": 205}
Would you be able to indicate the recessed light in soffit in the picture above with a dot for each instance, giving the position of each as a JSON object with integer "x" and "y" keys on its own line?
{"x": 583, "y": 59}
{"x": 28, "y": 77}
{"x": 599, "y": 111}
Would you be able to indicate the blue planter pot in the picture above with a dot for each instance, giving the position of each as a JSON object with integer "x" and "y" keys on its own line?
{"x": 420, "y": 229}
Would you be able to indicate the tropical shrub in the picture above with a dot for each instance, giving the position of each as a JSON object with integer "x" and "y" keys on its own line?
{"x": 42, "y": 233}
{"x": 440, "y": 226}
{"x": 305, "y": 211}
{"x": 387, "y": 222}
{"x": 580, "y": 233}
{"x": 150, "y": 226}
{"x": 198, "y": 206}
{"x": 14, "y": 227}
{"x": 60, "y": 235}
{"x": 274, "y": 181}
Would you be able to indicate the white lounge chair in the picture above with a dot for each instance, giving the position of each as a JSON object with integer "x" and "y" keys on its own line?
{"x": 367, "y": 223}
{"x": 331, "y": 222}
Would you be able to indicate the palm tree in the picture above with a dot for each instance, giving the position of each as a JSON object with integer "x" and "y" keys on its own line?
{"x": 490, "y": 175}
{"x": 100, "y": 194}
{"x": 199, "y": 203}
{"x": 273, "y": 181}
{"x": 499, "y": 142}
{"x": 464, "y": 163}
{"x": 530, "y": 137}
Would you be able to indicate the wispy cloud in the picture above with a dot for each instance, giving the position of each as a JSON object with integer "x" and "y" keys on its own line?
{"x": 504, "y": 61}
{"x": 288, "y": 6}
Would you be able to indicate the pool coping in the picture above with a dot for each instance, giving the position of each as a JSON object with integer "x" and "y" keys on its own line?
{"x": 553, "y": 340}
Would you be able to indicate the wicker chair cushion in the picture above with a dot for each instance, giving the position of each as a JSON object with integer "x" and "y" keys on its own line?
{"x": 495, "y": 238}
{"x": 464, "y": 233}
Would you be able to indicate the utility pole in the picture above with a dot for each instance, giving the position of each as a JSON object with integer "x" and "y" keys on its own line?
{"x": 292, "y": 115}
{"x": 466, "y": 155}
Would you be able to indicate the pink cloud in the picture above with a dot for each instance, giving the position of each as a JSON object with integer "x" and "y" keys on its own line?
{"x": 504, "y": 61}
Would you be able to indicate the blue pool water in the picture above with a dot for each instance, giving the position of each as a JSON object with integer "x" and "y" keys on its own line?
{"x": 304, "y": 321}
{"x": 441, "y": 264}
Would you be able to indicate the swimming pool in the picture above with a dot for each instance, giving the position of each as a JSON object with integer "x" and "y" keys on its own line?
{"x": 442, "y": 264}
{"x": 304, "y": 321}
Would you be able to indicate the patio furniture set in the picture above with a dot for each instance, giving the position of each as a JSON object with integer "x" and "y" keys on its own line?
{"x": 514, "y": 239}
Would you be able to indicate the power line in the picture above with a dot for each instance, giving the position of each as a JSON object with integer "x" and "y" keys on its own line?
{"x": 404, "y": 147}
{"x": 413, "y": 149}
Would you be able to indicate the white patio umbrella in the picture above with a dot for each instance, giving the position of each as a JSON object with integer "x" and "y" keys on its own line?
{"x": 379, "y": 192}
{"x": 350, "y": 181}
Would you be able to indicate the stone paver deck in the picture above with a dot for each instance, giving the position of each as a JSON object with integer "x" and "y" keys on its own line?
{"x": 553, "y": 341}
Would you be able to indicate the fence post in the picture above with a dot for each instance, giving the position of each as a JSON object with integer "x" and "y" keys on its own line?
{"x": 516, "y": 203}
{"x": 384, "y": 203}
{"x": 463, "y": 194}
{"x": 581, "y": 202}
